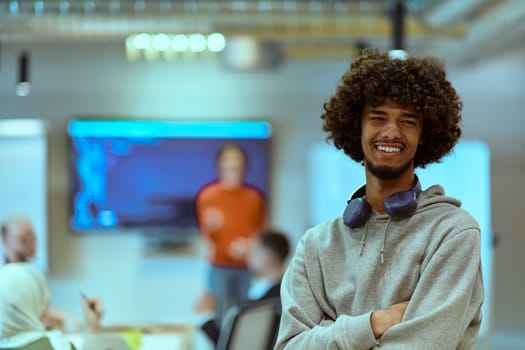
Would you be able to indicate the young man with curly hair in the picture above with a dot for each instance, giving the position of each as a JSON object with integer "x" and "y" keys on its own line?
{"x": 401, "y": 268}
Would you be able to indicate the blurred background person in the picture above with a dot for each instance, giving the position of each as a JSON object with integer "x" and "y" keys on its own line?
{"x": 230, "y": 214}
{"x": 24, "y": 299}
{"x": 18, "y": 239}
{"x": 266, "y": 263}
{"x": 19, "y": 245}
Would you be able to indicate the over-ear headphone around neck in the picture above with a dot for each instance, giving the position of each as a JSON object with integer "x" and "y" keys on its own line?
{"x": 397, "y": 205}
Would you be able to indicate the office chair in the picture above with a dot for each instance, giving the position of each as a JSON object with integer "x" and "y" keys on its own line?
{"x": 251, "y": 326}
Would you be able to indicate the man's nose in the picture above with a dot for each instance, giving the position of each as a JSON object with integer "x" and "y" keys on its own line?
{"x": 391, "y": 130}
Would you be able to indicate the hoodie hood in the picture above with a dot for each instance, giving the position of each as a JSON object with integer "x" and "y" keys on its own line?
{"x": 426, "y": 200}
{"x": 434, "y": 195}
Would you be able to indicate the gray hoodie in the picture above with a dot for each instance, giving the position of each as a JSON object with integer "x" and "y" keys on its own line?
{"x": 432, "y": 258}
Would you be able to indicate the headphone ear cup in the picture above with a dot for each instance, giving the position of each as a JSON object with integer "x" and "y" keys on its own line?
{"x": 401, "y": 204}
{"x": 356, "y": 213}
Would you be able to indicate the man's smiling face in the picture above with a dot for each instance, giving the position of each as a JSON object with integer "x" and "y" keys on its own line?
{"x": 390, "y": 136}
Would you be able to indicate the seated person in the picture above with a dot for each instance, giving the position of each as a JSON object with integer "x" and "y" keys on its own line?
{"x": 266, "y": 263}
{"x": 19, "y": 245}
{"x": 18, "y": 240}
{"x": 24, "y": 298}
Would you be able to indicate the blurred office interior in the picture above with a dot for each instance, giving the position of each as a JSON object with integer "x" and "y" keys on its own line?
{"x": 212, "y": 61}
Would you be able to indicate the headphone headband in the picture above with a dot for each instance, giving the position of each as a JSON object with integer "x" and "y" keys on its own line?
{"x": 397, "y": 205}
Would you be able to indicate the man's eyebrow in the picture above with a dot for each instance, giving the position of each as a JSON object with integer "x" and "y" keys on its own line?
{"x": 411, "y": 115}
{"x": 405, "y": 114}
{"x": 376, "y": 111}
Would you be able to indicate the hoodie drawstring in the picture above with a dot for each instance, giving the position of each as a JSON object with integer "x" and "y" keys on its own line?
{"x": 363, "y": 239}
{"x": 384, "y": 241}
{"x": 362, "y": 242}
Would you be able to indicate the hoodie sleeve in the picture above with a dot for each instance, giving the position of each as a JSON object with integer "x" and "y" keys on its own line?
{"x": 304, "y": 323}
{"x": 444, "y": 311}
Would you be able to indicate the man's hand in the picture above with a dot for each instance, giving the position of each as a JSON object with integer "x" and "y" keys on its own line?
{"x": 212, "y": 219}
{"x": 382, "y": 320}
{"x": 239, "y": 248}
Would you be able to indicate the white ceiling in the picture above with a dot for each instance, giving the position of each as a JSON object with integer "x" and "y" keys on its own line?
{"x": 463, "y": 31}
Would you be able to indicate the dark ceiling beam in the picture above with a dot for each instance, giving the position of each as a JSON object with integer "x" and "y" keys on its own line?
{"x": 278, "y": 27}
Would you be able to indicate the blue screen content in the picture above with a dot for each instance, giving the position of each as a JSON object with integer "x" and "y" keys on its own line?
{"x": 146, "y": 174}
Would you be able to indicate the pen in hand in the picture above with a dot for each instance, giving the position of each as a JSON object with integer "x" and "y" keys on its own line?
{"x": 93, "y": 312}
{"x": 90, "y": 303}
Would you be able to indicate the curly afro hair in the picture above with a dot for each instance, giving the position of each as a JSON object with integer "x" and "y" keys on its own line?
{"x": 417, "y": 82}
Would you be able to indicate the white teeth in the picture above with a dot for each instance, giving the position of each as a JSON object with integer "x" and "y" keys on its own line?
{"x": 388, "y": 149}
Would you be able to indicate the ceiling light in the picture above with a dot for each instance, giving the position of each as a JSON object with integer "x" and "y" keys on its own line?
{"x": 399, "y": 54}
{"x": 197, "y": 42}
{"x": 142, "y": 41}
{"x": 265, "y": 5}
{"x": 239, "y": 5}
{"x": 39, "y": 6}
{"x": 160, "y": 42}
{"x": 179, "y": 43}
{"x": 89, "y": 6}
{"x": 13, "y": 7}
{"x": 216, "y": 42}
{"x": 23, "y": 86}
{"x": 63, "y": 6}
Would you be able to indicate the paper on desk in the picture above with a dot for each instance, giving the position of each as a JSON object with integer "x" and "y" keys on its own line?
{"x": 164, "y": 341}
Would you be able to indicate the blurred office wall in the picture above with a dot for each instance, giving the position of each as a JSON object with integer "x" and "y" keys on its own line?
{"x": 23, "y": 179}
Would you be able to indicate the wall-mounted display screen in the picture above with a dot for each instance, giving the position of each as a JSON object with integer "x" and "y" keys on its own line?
{"x": 144, "y": 174}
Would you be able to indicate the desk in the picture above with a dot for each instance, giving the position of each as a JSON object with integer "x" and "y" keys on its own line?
{"x": 149, "y": 337}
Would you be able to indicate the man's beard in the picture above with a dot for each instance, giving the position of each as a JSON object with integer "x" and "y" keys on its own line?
{"x": 385, "y": 172}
